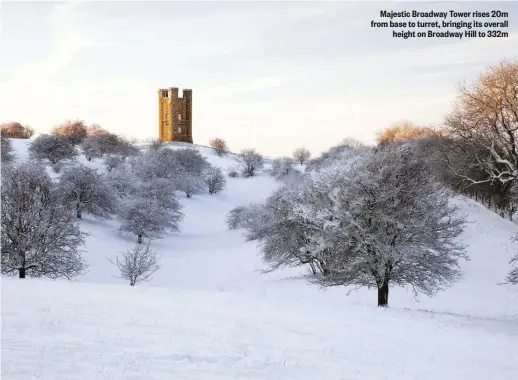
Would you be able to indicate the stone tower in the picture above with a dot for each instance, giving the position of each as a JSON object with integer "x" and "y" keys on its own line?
{"x": 175, "y": 115}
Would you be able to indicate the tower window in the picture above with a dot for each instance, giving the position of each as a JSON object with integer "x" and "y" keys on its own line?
{"x": 179, "y": 129}
{"x": 179, "y": 116}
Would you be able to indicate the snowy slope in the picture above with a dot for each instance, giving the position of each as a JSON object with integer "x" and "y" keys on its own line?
{"x": 209, "y": 314}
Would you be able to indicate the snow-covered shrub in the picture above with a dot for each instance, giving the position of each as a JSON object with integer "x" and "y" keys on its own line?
{"x": 40, "y": 236}
{"x": 112, "y": 162}
{"x": 215, "y": 180}
{"x": 233, "y": 174}
{"x": 250, "y": 161}
{"x": 137, "y": 264}
{"x": 53, "y": 148}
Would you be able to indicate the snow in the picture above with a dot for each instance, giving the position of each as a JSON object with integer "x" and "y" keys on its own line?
{"x": 209, "y": 313}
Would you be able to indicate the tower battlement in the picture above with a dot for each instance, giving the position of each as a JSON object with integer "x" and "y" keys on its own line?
{"x": 175, "y": 115}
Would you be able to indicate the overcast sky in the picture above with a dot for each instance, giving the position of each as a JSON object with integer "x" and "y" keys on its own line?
{"x": 267, "y": 75}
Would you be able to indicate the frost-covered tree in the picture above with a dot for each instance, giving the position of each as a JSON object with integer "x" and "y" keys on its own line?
{"x": 53, "y": 148}
{"x": 250, "y": 161}
{"x": 112, "y": 162}
{"x": 219, "y": 146}
{"x": 145, "y": 218}
{"x": 137, "y": 264}
{"x": 215, "y": 180}
{"x": 7, "y": 150}
{"x": 301, "y": 155}
{"x": 124, "y": 181}
{"x": 383, "y": 221}
{"x": 88, "y": 191}
{"x": 161, "y": 191}
{"x": 190, "y": 184}
{"x": 40, "y": 236}
{"x": 91, "y": 147}
{"x": 190, "y": 161}
{"x": 282, "y": 167}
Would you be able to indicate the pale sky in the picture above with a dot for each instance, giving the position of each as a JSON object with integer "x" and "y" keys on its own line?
{"x": 266, "y": 75}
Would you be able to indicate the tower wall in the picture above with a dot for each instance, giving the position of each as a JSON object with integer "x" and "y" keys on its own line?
{"x": 175, "y": 115}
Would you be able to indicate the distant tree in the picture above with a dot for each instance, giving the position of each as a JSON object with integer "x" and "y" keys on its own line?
{"x": 75, "y": 131}
{"x": 124, "y": 181}
{"x": 127, "y": 149}
{"x": 404, "y": 131}
{"x": 7, "y": 150}
{"x": 40, "y": 237}
{"x": 190, "y": 161}
{"x": 215, "y": 180}
{"x": 88, "y": 191}
{"x": 301, "y": 155}
{"x": 53, "y": 148}
{"x": 219, "y": 146}
{"x": 112, "y": 162}
{"x": 15, "y": 130}
{"x": 161, "y": 191}
{"x": 250, "y": 161}
{"x": 96, "y": 130}
{"x": 190, "y": 184}
{"x": 282, "y": 167}
{"x": 145, "y": 218}
{"x": 91, "y": 147}
{"x": 137, "y": 264}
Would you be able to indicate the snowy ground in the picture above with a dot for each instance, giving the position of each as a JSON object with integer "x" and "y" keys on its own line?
{"x": 209, "y": 313}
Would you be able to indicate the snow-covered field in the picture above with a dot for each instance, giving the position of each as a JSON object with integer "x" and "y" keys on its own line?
{"x": 209, "y": 314}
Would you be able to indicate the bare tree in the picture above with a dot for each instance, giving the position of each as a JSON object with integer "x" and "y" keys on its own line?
{"x": 301, "y": 155}
{"x": 404, "y": 131}
{"x": 219, "y": 146}
{"x": 7, "y": 150}
{"x": 75, "y": 131}
{"x": 96, "y": 130}
{"x": 15, "y": 130}
{"x": 53, "y": 148}
{"x": 486, "y": 119}
{"x": 137, "y": 264}
{"x": 87, "y": 191}
{"x": 250, "y": 161}
{"x": 215, "y": 180}
{"x": 40, "y": 237}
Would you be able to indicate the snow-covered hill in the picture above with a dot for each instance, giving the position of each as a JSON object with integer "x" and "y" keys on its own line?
{"x": 209, "y": 314}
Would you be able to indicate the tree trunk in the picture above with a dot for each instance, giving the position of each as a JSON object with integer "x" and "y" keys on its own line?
{"x": 78, "y": 211}
{"x": 383, "y": 292}
{"x": 21, "y": 272}
{"x": 139, "y": 239}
